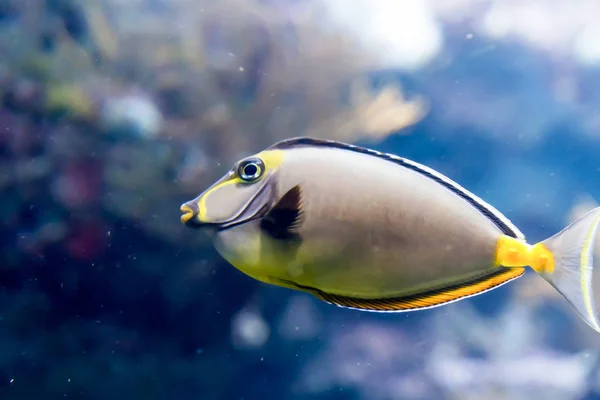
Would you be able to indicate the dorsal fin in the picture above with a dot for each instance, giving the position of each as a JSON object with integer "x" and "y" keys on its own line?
{"x": 503, "y": 223}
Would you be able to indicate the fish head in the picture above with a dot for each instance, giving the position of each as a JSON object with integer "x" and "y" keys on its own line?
{"x": 252, "y": 213}
{"x": 245, "y": 193}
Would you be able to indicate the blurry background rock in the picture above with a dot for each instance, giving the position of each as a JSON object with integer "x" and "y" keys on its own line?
{"x": 191, "y": 84}
{"x": 114, "y": 112}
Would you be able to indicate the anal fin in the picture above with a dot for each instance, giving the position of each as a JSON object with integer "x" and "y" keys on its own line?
{"x": 429, "y": 299}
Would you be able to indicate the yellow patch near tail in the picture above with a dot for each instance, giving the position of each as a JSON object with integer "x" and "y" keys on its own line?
{"x": 511, "y": 252}
{"x": 542, "y": 259}
{"x": 429, "y": 299}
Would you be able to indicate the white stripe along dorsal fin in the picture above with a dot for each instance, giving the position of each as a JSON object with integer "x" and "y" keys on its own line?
{"x": 503, "y": 223}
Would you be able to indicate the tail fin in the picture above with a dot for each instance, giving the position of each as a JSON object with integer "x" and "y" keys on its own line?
{"x": 573, "y": 250}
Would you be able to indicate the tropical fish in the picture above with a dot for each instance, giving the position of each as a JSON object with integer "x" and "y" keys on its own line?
{"x": 373, "y": 231}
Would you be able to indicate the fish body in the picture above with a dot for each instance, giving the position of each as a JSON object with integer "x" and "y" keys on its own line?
{"x": 368, "y": 230}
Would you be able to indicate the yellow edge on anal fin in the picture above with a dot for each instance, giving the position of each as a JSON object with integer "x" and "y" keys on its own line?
{"x": 429, "y": 299}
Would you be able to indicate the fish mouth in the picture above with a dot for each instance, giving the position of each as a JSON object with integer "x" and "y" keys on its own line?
{"x": 187, "y": 214}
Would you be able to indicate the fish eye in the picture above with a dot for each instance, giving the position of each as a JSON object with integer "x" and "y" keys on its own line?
{"x": 251, "y": 170}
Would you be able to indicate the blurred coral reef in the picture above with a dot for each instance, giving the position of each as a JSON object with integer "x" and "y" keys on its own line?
{"x": 189, "y": 89}
{"x": 114, "y": 112}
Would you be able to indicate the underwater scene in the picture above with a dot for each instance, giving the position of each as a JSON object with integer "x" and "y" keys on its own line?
{"x": 299, "y": 199}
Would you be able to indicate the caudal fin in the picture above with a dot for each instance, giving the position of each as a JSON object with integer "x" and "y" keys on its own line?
{"x": 573, "y": 266}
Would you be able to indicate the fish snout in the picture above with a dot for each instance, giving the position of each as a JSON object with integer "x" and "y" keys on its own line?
{"x": 189, "y": 213}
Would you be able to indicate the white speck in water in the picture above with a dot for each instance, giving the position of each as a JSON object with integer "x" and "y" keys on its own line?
{"x": 12, "y": 380}
{"x": 469, "y": 36}
{"x": 241, "y": 68}
{"x": 250, "y": 330}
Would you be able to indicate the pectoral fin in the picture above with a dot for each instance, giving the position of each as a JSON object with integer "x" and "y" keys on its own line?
{"x": 284, "y": 218}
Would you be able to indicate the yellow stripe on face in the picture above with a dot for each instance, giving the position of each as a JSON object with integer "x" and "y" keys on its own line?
{"x": 202, "y": 211}
{"x": 272, "y": 160}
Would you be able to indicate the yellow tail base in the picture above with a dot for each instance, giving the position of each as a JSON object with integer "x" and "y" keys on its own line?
{"x": 511, "y": 252}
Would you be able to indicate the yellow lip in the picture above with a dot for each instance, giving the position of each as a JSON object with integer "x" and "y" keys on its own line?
{"x": 187, "y": 213}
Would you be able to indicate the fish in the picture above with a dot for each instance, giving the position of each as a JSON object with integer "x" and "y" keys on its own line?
{"x": 373, "y": 231}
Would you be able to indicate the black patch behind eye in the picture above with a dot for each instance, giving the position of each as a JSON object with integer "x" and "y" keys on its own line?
{"x": 283, "y": 220}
